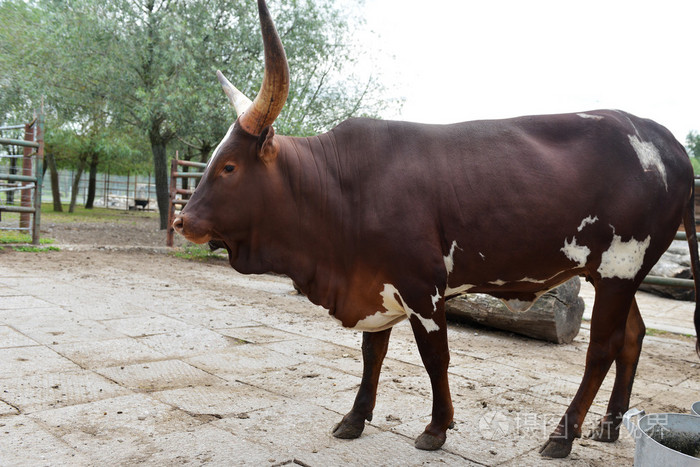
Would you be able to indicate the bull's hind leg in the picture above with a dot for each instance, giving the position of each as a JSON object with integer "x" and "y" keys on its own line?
{"x": 612, "y": 305}
{"x": 608, "y": 429}
{"x": 374, "y": 347}
{"x": 434, "y": 351}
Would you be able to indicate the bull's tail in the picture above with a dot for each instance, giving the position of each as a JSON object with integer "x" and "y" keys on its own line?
{"x": 690, "y": 232}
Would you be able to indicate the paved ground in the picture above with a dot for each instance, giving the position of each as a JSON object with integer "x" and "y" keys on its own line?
{"x": 130, "y": 357}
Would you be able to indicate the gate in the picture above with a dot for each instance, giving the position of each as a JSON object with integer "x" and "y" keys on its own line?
{"x": 30, "y": 180}
{"x": 179, "y": 195}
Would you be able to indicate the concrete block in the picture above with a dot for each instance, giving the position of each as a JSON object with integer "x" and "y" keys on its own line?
{"x": 109, "y": 352}
{"x": 26, "y": 361}
{"x": 223, "y": 400}
{"x": 141, "y": 326}
{"x": 22, "y": 301}
{"x": 156, "y": 376}
{"x": 189, "y": 342}
{"x": 259, "y": 334}
{"x": 23, "y": 441}
{"x": 32, "y": 393}
{"x": 124, "y": 430}
{"x": 240, "y": 361}
{"x": 11, "y": 338}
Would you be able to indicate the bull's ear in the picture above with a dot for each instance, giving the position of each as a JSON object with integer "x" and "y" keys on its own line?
{"x": 267, "y": 145}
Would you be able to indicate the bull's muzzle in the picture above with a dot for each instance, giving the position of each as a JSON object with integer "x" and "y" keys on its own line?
{"x": 191, "y": 230}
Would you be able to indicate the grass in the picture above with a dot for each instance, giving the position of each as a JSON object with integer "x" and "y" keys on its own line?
{"x": 10, "y": 236}
{"x": 196, "y": 253}
{"x": 94, "y": 215}
{"x": 35, "y": 249}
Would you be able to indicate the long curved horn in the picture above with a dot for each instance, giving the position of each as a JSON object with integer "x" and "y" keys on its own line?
{"x": 275, "y": 86}
{"x": 240, "y": 102}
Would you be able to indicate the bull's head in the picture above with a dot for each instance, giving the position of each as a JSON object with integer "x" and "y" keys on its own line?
{"x": 240, "y": 182}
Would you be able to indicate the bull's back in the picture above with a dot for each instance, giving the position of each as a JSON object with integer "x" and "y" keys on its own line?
{"x": 516, "y": 192}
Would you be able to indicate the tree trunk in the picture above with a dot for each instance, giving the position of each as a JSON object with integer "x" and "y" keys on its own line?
{"x": 13, "y": 171}
{"x": 55, "y": 189}
{"x": 160, "y": 166}
{"x": 92, "y": 182}
{"x": 76, "y": 184}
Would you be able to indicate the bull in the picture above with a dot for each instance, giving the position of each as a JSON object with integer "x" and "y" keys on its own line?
{"x": 382, "y": 221}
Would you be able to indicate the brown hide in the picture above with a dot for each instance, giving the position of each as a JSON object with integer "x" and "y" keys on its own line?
{"x": 377, "y": 202}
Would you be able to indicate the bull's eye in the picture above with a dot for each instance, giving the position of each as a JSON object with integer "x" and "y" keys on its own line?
{"x": 229, "y": 168}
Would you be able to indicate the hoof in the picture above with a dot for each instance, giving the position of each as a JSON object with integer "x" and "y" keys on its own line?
{"x": 428, "y": 442}
{"x": 556, "y": 448}
{"x": 348, "y": 430}
{"x": 606, "y": 432}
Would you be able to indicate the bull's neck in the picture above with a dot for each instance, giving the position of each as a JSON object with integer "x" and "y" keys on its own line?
{"x": 311, "y": 169}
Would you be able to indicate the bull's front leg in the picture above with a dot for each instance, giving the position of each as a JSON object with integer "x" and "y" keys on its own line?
{"x": 431, "y": 337}
{"x": 374, "y": 347}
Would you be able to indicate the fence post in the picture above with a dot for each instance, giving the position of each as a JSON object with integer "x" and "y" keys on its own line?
{"x": 39, "y": 177}
{"x": 169, "y": 241}
{"x": 26, "y": 196}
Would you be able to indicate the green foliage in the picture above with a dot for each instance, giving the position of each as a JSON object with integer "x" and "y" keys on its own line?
{"x": 151, "y": 64}
{"x": 124, "y": 75}
{"x": 692, "y": 144}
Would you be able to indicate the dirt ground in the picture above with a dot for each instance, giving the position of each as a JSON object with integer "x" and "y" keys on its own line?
{"x": 120, "y": 228}
{"x": 292, "y": 369}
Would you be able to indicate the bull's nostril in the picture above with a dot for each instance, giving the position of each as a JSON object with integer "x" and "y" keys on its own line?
{"x": 178, "y": 224}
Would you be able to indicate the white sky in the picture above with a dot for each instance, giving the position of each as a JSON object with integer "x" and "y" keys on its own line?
{"x": 457, "y": 60}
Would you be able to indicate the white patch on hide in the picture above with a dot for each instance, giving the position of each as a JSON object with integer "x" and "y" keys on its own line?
{"x": 394, "y": 312}
{"x": 449, "y": 259}
{"x": 576, "y": 253}
{"x": 458, "y": 290}
{"x": 592, "y": 117}
{"x": 482, "y": 256}
{"x": 534, "y": 281}
{"x": 216, "y": 151}
{"x": 586, "y": 221}
{"x": 498, "y": 282}
{"x": 435, "y": 299}
{"x": 623, "y": 259}
{"x": 649, "y": 157}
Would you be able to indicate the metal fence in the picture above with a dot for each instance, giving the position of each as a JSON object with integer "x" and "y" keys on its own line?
{"x": 27, "y": 184}
{"x": 131, "y": 191}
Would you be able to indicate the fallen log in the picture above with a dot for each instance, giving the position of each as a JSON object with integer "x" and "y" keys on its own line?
{"x": 554, "y": 317}
{"x": 674, "y": 263}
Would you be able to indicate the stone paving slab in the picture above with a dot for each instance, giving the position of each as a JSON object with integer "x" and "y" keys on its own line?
{"x": 24, "y": 441}
{"x": 127, "y": 360}
{"x": 33, "y": 393}
{"x": 659, "y": 313}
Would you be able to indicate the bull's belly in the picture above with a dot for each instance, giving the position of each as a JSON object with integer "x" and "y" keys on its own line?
{"x": 393, "y": 310}
{"x": 379, "y": 321}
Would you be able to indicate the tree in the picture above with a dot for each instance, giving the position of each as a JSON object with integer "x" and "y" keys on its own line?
{"x": 152, "y": 63}
{"x": 692, "y": 144}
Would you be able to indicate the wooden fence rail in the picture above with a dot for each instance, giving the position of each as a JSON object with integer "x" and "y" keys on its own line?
{"x": 179, "y": 196}
{"x": 31, "y": 178}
